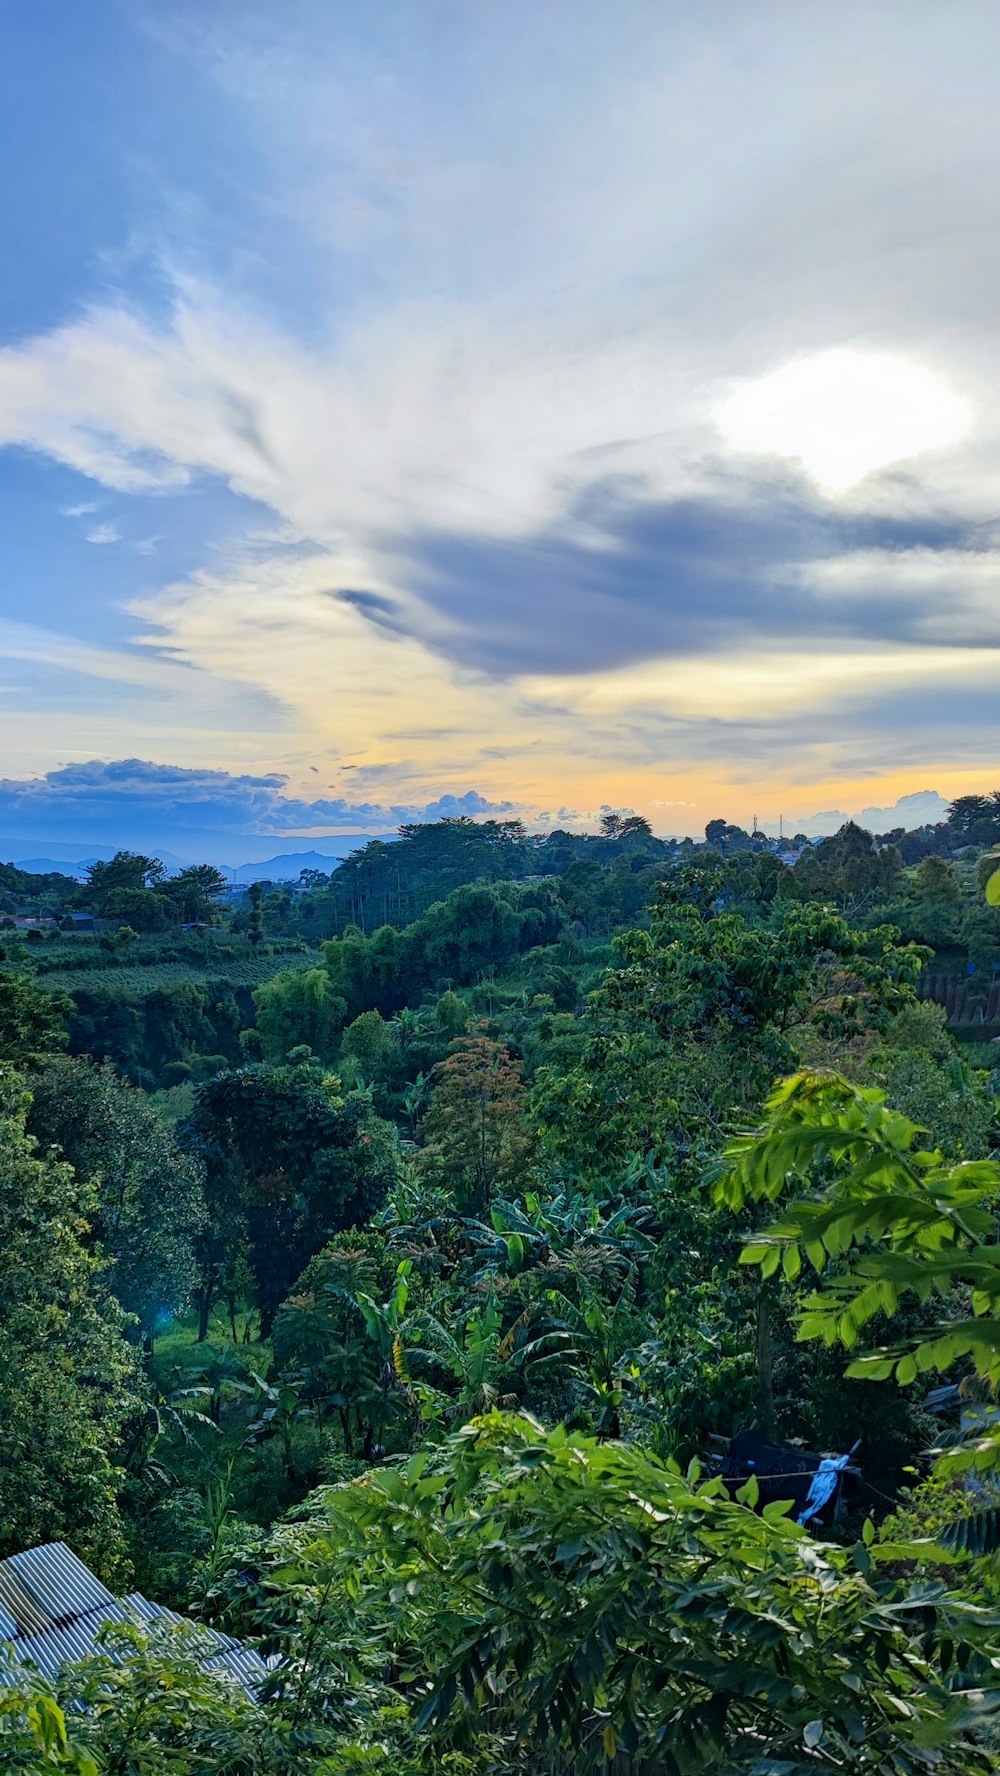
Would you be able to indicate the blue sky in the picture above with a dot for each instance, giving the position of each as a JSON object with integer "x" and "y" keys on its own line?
{"x": 565, "y": 405}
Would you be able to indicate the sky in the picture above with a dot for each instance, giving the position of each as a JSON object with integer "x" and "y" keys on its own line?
{"x": 528, "y": 406}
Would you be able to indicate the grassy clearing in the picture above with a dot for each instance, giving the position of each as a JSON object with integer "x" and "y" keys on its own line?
{"x": 263, "y": 1482}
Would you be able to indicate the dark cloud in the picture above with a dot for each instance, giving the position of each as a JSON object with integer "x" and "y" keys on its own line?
{"x": 383, "y": 612}
{"x": 132, "y": 802}
{"x": 628, "y": 577}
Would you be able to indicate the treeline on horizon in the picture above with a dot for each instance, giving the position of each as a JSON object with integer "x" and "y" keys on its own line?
{"x": 385, "y": 1259}
{"x": 164, "y": 985}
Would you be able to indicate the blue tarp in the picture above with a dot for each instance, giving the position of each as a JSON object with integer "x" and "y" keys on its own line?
{"x": 823, "y": 1485}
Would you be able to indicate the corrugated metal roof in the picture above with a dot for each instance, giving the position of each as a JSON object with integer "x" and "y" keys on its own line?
{"x": 248, "y": 1666}
{"x": 18, "y": 1604}
{"x": 52, "y": 1609}
{"x": 71, "y": 1640}
{"x": 58, "y": 1583}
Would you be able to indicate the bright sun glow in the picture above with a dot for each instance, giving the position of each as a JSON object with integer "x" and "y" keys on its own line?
{"x": 842, "y": 414}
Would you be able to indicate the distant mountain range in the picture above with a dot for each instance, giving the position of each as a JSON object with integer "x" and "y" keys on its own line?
{"x": 285, "y": 868}
{"x": 77, "y": 867}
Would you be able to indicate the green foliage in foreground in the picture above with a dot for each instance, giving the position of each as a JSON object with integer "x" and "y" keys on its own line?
{"x": 891, "y": 1219}
{"x": 518, "y": 1602}
{"x": 544, "y": 1595}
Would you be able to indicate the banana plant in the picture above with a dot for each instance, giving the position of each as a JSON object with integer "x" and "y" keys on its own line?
{"x": 384, "y": 1323}
{"x": 281, "y": 1409}
{"x": 490, "y": 1366}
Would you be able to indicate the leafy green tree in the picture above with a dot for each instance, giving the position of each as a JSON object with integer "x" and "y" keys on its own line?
{"x": 367, "y": 1041}
{"x": 69, "y": 1381}
{"x": 395, "y": 884}
{"x": 723, "y": 836}
{"x": 851, "y": 870}
{"x": 148, "y": 1204}
{"x": 129, "y": 888}
{"x": 299, "y": 1008}
{"x": 478, "y": 1140}
{"x": 322, "y": 1331}
{"x": 451, "y": 1015}
{"x": 126, "y": 870}
{"x": 195, "y": 892}
{"x": 975, "y": 819}
{"x": 141, "y": 909}
{"x": 892, "y": 1221}
{"x": 479, "y": 927}
{"x": 255, "y": 919}
{"x": 935, "y": 882}
{"x": 703, "y": 1009}
{"x": 32, "y": 1022}
{"x": 556, "y": 1598}
{"x": 288, "y": 1160}
{"x": 918, "y": 1067}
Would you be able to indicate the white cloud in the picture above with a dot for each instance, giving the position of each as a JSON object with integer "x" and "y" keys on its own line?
{"x": 530, "y": 272}
{"x": 844, "y": 414}
{"x": 104, "y": 533}
{"x": 922, "y": 807}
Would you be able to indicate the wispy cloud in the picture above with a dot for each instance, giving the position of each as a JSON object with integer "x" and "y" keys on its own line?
{"x": 536, "y": 255}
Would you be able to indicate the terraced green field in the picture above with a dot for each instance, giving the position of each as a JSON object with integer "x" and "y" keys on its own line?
{"x": 129, "y": 980}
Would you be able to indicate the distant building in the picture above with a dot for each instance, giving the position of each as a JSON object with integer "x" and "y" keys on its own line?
{"x": 52, "y": 1609}
{"x": 83, "y": 921}
{"x": 34, "y": 921}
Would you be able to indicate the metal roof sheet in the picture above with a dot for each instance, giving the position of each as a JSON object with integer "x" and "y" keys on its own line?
{"x": 59, "y": 1583}
{"x": 52, "y": 1609}
{"x": 71, "y": 1640}
{"x": 18, "y": 1604}
{"x": 239, "y": 1660}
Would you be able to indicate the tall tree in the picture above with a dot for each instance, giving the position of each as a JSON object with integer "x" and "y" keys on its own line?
{"x": 299, "y": 1008}
{"x": 289, "y": 1160}
{"x": 125, "y": 870}
{"x": 148, "y": 1204}
{"x": 195, "y": 891}
{"x": 69, "y": 1381}
{"x": 476, "y": 1129}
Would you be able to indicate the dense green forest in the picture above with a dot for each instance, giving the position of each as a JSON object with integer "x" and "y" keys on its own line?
{"x": 386, "y": 1259}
